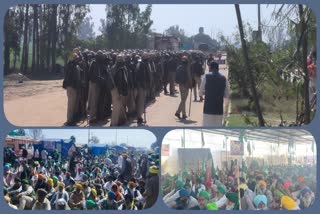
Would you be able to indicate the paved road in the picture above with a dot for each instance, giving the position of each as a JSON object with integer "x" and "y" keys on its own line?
{"x": 161, "y": 113}
{"x": 50, "y": 110}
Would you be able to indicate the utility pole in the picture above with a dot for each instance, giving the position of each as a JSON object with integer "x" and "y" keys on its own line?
{"x": 259, "y": 23}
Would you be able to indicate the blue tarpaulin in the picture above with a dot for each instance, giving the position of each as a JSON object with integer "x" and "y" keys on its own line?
{"x": 119, "y": 148}
{"x": 98, "y": 149}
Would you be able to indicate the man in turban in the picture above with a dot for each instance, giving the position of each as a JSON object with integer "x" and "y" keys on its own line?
{"x": 185, "y": 201}
{"x": 152, "y": 187}
{"x": 220, "y": 198}
{"x": 172, "y": 196}
{"x": 233, "y": 201}
{"x": 108, "y": 203}
{"x": 128, "y": 203}
{"x": 261, "y": 202}
{"x": 59, "y": 194}
{"x": 27, "y": 196}
{"x": 41, "y": 182}
{"x": 203, "y": 199}
{"x": 137, "y": 197}
{"x": 62, "y": 204}
{"x": 77, "y": 198}
{"x": 288, "y": 203}
{"x": 262, "y": 190}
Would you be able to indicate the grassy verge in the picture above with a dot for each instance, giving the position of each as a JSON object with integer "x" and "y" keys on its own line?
{"x": 271, "y": 112}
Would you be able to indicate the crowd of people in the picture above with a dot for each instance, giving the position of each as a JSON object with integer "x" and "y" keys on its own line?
{"x": 260, "y": 188}
{"x": 115, "y": 181}
{"x": 119, "y": 84}
{"x": 192, "y": 190}
{"x": 278, "y": 187}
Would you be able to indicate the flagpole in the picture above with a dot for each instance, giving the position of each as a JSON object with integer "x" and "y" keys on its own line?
{"x": 239, "y": 196}
{"x": 226, "y": 141}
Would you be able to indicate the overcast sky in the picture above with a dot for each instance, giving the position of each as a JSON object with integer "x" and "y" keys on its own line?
{"x": 133, "y": 137}
{"x": 214, "y": 18}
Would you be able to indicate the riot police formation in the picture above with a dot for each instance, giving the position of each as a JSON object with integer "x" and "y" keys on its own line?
{"x": 119, "y": 84}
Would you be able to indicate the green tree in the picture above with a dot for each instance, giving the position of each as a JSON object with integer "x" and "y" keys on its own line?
{"x": 126, "y": 26}
{"x": 249, "y": 68}
{"x": 94, "y": 140}
{"x": 86, "y": 31}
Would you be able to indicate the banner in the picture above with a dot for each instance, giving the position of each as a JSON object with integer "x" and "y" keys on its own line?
{"x": 236, "y": 148}
{"x": 49, "y": 145}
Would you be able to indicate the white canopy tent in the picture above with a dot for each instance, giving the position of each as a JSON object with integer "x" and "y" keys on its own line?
{"x": 269, "y": 145}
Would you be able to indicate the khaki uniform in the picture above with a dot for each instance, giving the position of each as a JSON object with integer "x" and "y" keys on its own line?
{"x": 73, "y": 104}
{"x": 196, "y": 87}
{"x": 172, "y": 77}
{"x": 184, "y": 91}
{"x": 94, "y": 92}
{"x": 141, "y": 96}
{"x": 118, "y": 115}
{"x": 131, "y": 104}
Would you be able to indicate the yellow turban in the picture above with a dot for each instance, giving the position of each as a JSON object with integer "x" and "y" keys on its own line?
{"x": 262, "y": 183}
{"x": 94, "y": 192}
{"x": 243, "y": 186}
{"x": 50, "y": 182}
{"x": 288, "y": 203}
{"x": 78, "y": 186}
{"x": 61, "y": 184}
{"x": 154, "y": 170}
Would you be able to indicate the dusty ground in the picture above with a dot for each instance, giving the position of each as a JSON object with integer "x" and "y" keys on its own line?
{"x": 13, "y": 89}
{"x": 34, "y": 102}
{"x": 44, "y": 103}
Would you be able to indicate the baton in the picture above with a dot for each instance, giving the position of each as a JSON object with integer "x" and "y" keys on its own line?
{"x": 190, "y": 102}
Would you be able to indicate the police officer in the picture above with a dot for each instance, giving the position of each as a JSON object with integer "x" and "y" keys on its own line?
{"x": 143, "y": 71}
{"x": 119, "y": 91}
{"x": 172, "y": 67}
{"x": 95, "y": 81}
{"x": 197, "y": 71}
{"x": 105, "y": 84}
{"x": 183, "y": 78}
{"x": 166, "y": 73}
{"x": 131, "y": 63}
{"x": 72, "y": 84}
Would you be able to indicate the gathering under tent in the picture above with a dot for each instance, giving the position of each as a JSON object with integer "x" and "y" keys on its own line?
{"x": 265, "y": 146}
